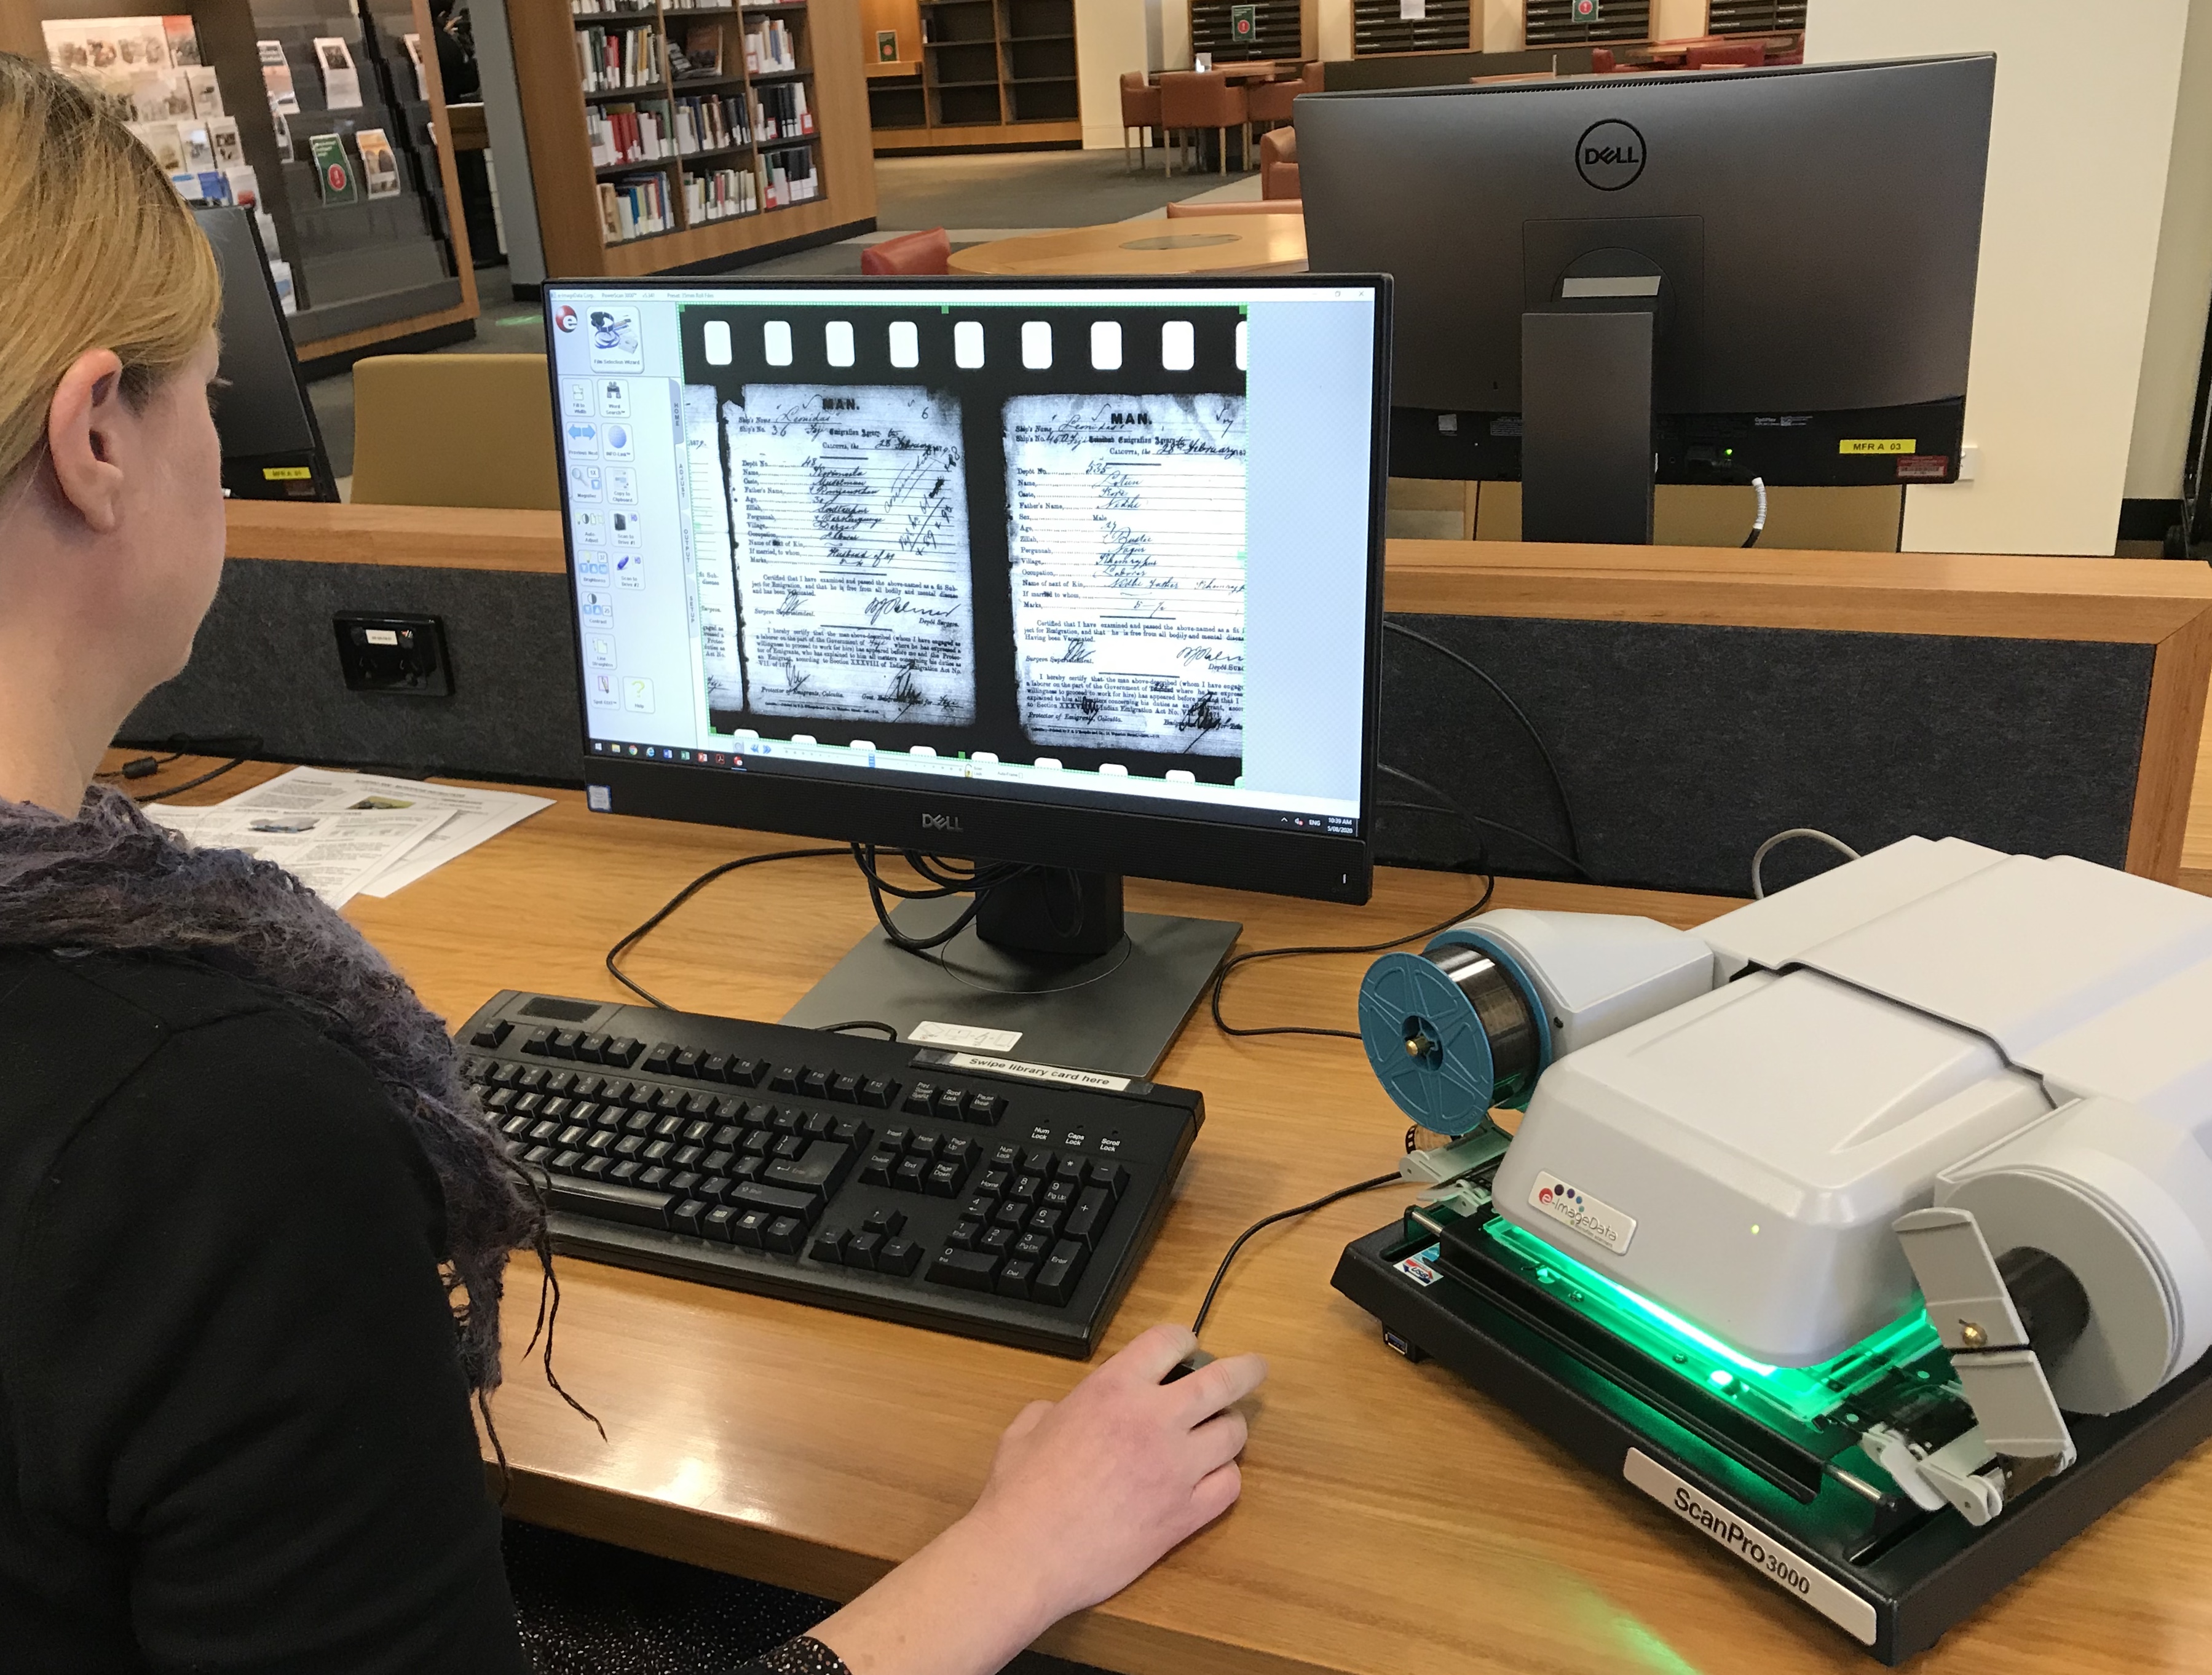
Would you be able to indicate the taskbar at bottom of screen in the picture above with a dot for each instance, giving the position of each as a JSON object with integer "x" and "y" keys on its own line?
{"x": 1130, "y": 802}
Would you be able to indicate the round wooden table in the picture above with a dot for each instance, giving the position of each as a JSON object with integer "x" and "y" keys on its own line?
{"x": 1191, "y": 244}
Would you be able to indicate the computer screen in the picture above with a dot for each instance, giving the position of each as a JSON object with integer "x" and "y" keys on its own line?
{"x": 1804, "y": 240}
{"x": 1083, "y": 575}
{"x": 272, "y": 447}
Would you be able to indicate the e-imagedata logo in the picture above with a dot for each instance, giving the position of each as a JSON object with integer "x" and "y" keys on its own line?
{"x": 564, "y": 318}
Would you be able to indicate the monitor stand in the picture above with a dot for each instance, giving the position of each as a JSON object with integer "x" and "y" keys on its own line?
{"x": 1587, "y": 466}
{"x": 1040, "y": 975}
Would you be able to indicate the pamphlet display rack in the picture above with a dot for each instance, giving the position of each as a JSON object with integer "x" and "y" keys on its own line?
{"x": 338, "y": 137}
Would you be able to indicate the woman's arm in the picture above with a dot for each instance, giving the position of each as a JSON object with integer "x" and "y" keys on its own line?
{"x": 1085, "y": 1494}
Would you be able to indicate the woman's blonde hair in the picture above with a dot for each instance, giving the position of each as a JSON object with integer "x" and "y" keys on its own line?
{"x": 96, "y": 252}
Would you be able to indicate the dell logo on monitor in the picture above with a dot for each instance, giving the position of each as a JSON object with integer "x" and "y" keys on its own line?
{"x": 1610, "y": 155}
{"x": 941, "y": 823}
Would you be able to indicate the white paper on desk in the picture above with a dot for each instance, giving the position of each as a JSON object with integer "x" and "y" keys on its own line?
{"x": 1126, "y": 543}
{"x": 473, "y": 816}
{"x": 848, "y": 512}
{"x": 332, "y": 852}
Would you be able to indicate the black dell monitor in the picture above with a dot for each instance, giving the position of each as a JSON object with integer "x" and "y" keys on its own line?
{"x": 1607, "y": 280}
{"x": 272, "y": 447}
{"x": 1031, "y": 583}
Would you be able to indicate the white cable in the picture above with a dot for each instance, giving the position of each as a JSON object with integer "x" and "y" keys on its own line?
{"x": 1759, "y": 856}
{"x": 1759, "y": 522}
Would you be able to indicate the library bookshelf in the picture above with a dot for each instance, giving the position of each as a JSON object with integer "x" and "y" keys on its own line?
{"x": 824, "y": 71}
{"x": 986, "y": 73}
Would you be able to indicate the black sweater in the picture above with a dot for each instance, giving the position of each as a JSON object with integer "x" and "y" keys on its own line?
{"x": 234, "y": 1431}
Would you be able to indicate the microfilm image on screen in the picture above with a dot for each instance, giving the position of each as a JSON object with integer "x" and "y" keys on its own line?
{"x": 1071, "y": 545}
{"x": 1095, "y": 608}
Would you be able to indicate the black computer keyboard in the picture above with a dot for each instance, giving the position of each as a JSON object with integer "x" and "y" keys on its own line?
{"x": 931, "y": 1188}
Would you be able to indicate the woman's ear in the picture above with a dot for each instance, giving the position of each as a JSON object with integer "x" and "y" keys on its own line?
{"x": 83, "y": 427}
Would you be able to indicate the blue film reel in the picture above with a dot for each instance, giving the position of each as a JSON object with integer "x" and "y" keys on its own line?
{"x": 1436, "y": 1025}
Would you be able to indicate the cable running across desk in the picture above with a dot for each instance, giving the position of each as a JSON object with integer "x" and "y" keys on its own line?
{"x": 1479, "y": 863}
{"x": 1221, "y": 1273}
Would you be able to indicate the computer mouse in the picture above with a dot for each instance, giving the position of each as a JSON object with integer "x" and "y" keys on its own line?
{"x": 1188, "y": 1365}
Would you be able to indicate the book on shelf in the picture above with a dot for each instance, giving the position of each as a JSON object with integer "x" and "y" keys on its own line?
{"x": 702, "y": 45}
{"x": 718, "y": 194}
{"x": 626, "y": 134}
{"x": 770, "y": 48}
{"x": 634, "y": 207}
{"x": 612, "y": 60}
{"x": 790, "y": 178}
{"x": 608, "y": 7}
{"x": 780, "y": 112}
{"x": 710, "y": 123}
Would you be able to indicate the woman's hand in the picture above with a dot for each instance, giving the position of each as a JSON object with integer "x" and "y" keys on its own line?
{"x": 1085, "y": 1494}
{"x": 1094, "y": 1487}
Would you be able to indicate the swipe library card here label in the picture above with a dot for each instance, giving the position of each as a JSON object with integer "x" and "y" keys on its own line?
{"x": 1762, "y": 1549}
{"x": 1593, "y": 1218}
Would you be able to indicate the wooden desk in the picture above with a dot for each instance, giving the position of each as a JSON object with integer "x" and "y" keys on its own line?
{"x": 1394, "y": 1519}
{"x": 1190, "y": 244}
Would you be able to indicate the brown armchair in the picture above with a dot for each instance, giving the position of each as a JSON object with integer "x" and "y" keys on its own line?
{"x": 1728, "y": 55}
{"x": 1140, "y": 109}
{"x": 1190, "y": 102}
{"x": 929, "y": 251}
{"x": 1279, "y": 164}
{"x": 1270, "y": 101}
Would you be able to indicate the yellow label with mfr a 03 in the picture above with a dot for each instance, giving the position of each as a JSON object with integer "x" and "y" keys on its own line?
{"x": 1876, "y": 445}
{"x": 302, "y": 473}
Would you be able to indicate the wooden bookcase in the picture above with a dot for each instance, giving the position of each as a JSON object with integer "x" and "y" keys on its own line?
{"x": 1754, "y": 17}
{"x": 993, "y": 73}
{"x": 1277, "y": 31}
{"x": 1553, "y": 22}
{"x": 391, "y": 270}
{"x": 827, "y": 40}
{"x": 1449, "y": 26}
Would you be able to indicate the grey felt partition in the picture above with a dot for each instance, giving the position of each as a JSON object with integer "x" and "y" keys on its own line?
{"x": 1681, "y": 745}
{"x": 266, "y": 665}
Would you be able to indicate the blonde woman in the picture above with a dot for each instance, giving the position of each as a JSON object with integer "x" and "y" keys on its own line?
{"x": 252, "y": 1230}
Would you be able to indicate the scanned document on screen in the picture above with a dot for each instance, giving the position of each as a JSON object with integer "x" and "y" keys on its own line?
{"x": 1126, "y": 530}
{"x": 848, "y": 514}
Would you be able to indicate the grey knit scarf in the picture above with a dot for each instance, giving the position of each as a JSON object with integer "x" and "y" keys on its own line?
{"x": 110, "y": 880}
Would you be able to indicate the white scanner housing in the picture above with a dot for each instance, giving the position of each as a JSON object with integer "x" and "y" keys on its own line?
{"x": 1936, "y": 1022}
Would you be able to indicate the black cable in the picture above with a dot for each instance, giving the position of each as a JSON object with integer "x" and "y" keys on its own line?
{"x": 1558, "y": 785}
{"x": 677, "y": 901}
{"x": 1478, "y": 819}
{"x": 1222, "y": 1272}
{"x": 1480, "y": 863}
{"x": 943, "y": 882}
{"x": 192, "y": 784}
{"x": 858, "y": 1023}
{"x": 141, "y": 767}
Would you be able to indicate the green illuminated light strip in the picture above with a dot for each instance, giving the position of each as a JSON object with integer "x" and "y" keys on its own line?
{"x": 1803, "y": 1392}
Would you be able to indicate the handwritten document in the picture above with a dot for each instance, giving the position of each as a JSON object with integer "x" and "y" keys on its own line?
{"x": 849, "y": 516}
{"x": 714, "y": 585}
{"x": 1127, "y": 536}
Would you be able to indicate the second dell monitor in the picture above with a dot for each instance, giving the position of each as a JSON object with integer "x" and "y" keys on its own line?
{"x": 1764, "y": 272}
